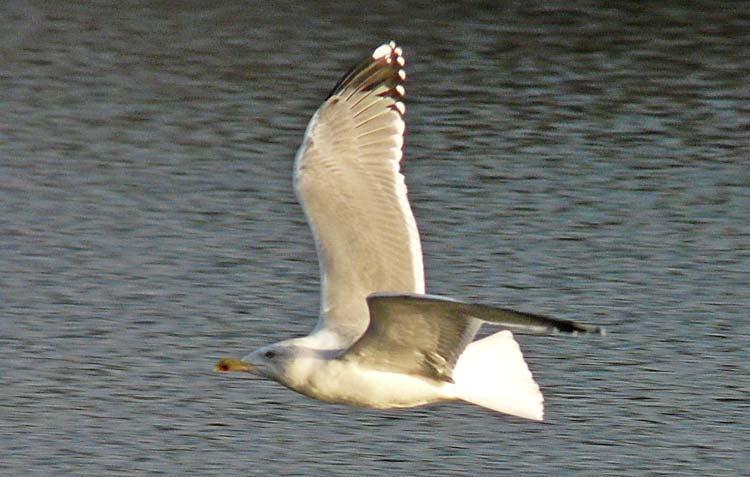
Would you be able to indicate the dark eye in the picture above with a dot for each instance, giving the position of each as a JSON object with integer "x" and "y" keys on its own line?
{"x": 269, "y": 354}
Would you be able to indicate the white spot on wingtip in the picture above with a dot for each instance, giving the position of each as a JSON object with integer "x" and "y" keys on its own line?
{"x": 400, "y": 90}
{"x": 383, "y": 51}
{"x": 402, "y": 74}
{"x": 401, "y": 108}
{"x": 400, "y": 60}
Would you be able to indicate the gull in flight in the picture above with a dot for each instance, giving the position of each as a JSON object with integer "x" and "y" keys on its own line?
{"x": 380, "y": 341}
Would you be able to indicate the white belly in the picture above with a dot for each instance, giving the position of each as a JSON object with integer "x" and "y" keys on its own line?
{"x": 348, "y": 383}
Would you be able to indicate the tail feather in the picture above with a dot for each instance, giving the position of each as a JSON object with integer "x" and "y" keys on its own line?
{"x": 492, "y": 373}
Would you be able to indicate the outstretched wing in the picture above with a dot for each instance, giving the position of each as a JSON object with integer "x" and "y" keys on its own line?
{"x": 348, "y": 181}
{"x": 424, "y": 334}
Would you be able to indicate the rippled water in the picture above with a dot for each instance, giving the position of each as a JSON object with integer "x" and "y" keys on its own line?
{"x": 589, "y": 163}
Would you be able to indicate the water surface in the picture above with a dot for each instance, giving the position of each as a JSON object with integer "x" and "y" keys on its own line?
{"x": 589, "y": 163}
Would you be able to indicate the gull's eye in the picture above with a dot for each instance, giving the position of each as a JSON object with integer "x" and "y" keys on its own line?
{"x": 269, "y": 354}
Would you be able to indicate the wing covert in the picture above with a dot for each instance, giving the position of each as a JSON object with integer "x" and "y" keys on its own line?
{"x": 425, "y": 334}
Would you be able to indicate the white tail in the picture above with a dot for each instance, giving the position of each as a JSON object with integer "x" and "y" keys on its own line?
{"x": 491, "y": 373}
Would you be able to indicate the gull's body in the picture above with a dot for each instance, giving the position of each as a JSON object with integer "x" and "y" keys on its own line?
{"x": 380, "y": 341}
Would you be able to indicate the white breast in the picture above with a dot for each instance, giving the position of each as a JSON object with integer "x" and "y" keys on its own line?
{"x": 348, "y": 383}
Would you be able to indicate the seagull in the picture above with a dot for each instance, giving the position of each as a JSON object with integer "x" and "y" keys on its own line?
{"x": 380, "y": 341}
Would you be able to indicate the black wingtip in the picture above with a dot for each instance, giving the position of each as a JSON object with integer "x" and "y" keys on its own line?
{"x": 576, "y": 328}
{"x": 581, "y": 330}
{"x": 385, "y": 66}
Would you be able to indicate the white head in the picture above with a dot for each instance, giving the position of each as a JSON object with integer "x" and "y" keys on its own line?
{"x": 286, "y": 362}
{"x": 271, "y": 361}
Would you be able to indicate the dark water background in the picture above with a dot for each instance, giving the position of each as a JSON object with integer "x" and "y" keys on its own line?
{"x": 580, "y": 160}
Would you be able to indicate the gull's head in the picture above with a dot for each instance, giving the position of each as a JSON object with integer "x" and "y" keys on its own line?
{"x": 286, "y": 362}
{"x": 270, "y": 361}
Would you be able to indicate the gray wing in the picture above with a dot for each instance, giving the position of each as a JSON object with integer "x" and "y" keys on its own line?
{"x": 348, "y": 181}
{"x": 502, "y": 317}
{"x": 424, "y": 334}
{"x": 411, "y": 335}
